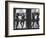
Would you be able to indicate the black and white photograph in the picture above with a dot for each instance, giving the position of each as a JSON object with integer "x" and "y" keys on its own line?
{"x": 24, "y": 18}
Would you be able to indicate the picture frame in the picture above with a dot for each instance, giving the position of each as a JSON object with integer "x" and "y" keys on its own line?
{"x": 21, "y": 8}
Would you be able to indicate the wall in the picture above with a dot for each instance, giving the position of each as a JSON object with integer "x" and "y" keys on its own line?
{"x": 2, "y": 19}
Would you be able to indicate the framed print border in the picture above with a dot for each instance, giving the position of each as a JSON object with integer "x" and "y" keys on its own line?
{"x": 6, "y": 18}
